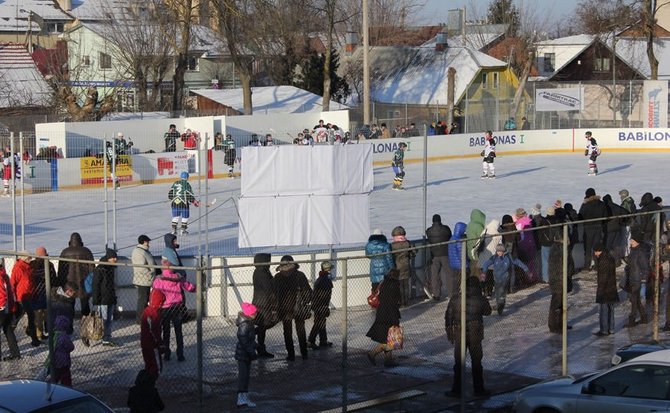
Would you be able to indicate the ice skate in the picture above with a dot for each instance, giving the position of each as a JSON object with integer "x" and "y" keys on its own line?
{"x": 492, "y": 176}
{"x": 484, "y": 175}
{"x": 231, "y": 175}
{"x": 183, "y": 232}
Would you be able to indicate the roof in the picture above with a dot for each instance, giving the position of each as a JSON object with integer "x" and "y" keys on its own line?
{"x": 270, "y": 99}
{"x": 565, "y": 49}
{"x": 21, "y": 84}
{"x": 418, "y": 75}
{"x": 46, "y": 9}
{"x": 634, "y": 52}
{"x": 88, "y": 10}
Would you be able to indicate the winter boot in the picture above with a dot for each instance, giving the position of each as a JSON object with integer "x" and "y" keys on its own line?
{"x": 174, "y": 228}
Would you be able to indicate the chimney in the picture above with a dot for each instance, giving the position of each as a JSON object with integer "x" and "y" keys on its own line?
{"x": 65, "y": 5}
{"x": 441, "y": 42}
{"x": 351, "y": 39}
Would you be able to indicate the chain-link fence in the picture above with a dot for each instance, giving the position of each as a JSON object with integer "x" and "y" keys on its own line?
{"x": 531, "y": 336}
{"x": 612, "y": 104}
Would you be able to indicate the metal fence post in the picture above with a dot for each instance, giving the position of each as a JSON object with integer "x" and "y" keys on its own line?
{"x": 657, "y": 272}
{"x": 50, "y": 327}
{"x": 23, "y": 194}
{"x": 13, "y": 188}
{"x": 104, "y": 188}
{"x": 345, "y": 331}
{"x": 564, "y": 305}
{"x": 463, "y": 321}
{"x": 198, "y": 311}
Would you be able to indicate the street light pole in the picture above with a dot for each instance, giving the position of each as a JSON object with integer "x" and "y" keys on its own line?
{"x": 366, "y": 65}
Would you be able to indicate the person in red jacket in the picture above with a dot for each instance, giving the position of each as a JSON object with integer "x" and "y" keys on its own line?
{"x": 22, "y": 284}
{"x": 150, "y": 332}
{"x": 8, "y": 308}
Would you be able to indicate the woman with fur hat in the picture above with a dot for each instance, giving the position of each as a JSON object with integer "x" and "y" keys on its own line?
{"x": 265, "y": 301}
{"x": 245, "y": 352}
{"x": 402, "y": 257}
{"x": 293, "y": 304}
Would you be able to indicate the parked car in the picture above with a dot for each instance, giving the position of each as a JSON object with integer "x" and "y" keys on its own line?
{"x": 631, "y": 351}
{"x": 31, "y": 396}
{"x": 639, "y": 385}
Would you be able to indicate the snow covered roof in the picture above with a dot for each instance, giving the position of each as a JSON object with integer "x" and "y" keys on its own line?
{"x": 270, "y": 99}
{"x": 46, "y": 9}
{"x": 418, "y": 75}
{"x": 476, "y": 41}
{"x": 21, "y": 84}
{"x": 564, "y": 50}
{"x": 135, "y": 116}
{"x": 88, "y": 10}
{"x": 584, "y": 40}
{"x": 634, "y": 52}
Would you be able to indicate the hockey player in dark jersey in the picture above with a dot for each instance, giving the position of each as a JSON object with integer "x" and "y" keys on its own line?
{"x": 489, "y": 154}
{"x": 181, "y": 195}
{"x": 230, "y": 154}
{"x": 592, "y": 151}
{"x": 399, "y": 166}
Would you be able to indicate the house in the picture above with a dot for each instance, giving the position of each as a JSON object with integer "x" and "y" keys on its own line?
{"x": 266, "y": 100}
{"x": 37, "y": 22}
{"x": 22, "y": 87}
{"x": 411, "y": 84}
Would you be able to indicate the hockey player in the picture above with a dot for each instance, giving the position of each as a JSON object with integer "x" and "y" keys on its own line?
{"x": 230, "y": 154}
{"x": 113, "y": 151}
{"x": 489, "y": 153}
{"x": 7, "y": 176}
{"x": 181, "y": 196}
{"x": 592, "y": 151}
{"x": 399, "y": 166}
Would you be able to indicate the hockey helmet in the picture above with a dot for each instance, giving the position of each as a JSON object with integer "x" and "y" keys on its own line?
{"x": 184, "y": 176}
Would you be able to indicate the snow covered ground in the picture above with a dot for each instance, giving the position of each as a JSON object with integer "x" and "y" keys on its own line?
{"x": 453, "y": 190}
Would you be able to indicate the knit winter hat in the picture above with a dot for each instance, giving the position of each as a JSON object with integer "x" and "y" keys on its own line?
{"x": 142, "y": 239}
{"x": 437, "y": 218}
{"x": 110, "y": 253}
{"x": 507, "y": 219}
{"x": 249, "y": 309}
{"x": 590, "y": 192}
{"x": 500, "y": 248}
{"x": 377, "y": 231}
{"x": 551, "y": 211}
{"x": 623, "y": 194}
{"x": 637, "y": 235}
{"x": 558, "y": 204}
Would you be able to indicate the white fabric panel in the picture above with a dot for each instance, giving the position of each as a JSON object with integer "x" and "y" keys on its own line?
{"x": 257, "y": 223}
{"x": 305, "y": 195}
{"x": 258, "y": 170}
{"x": 358, "y": 172}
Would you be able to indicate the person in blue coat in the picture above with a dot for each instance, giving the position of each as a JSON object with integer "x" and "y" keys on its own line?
{"x": 454, "y": 251}
{"x": 378, "y": 250}
{"x": 503, "y": 265}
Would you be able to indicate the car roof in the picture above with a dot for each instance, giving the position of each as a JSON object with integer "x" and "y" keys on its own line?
{"x": 661, "y": 356}
{"x": 28, "y": 395}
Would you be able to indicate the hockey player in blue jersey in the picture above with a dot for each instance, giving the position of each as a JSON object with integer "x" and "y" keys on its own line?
{"x": 181, "y": 195}
{"x": 399, "y": 166}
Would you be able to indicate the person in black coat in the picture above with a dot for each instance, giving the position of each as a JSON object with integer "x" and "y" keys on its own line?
{"x": 265, "y": 301}
{"x": 62, "y": 303}
{"x": 606, "y": 291}
{"x": 439, "y": 277}
{"x": 77, "y": 272}
{"x": 104, "y": 295}
{"x": 293, "y": 304}
{"x": 637, "y": 271}
{"x": 323, "y": 288}
{"x": 592, "y": 208}
{"x": 387, "y": 315}
{"x": 555, "y": 318}
{"x": 245, "y": 352}
{"x": 616, "y": 229}
{"x": 143, "y": 397}
{"x": 476, "y": 307}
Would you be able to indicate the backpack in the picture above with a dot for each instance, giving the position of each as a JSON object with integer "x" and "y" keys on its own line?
{"x": 88, "y": 283}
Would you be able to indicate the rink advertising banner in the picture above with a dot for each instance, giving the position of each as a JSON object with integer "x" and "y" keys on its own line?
{"x": 92, "y": 169}
{"x": 655, "y": 103}
{"x": 559, "y": 100}
{"x": 305, "y": 195}
{"x": 171, "y": 164}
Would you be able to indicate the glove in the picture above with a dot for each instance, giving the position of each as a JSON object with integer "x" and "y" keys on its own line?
{"x": 586, "y": 152}
{"x": 196, "y": 203}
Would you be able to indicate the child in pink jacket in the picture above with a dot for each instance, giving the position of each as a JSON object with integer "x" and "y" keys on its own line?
{"x": 172, "y": 285}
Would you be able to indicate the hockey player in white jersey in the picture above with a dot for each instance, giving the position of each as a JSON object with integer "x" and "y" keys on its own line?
{"x": 489, "y": 154}
{"x": 592, "y": 151}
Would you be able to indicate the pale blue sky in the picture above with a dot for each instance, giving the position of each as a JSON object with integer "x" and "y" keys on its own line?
{"x": 435, "y": 11}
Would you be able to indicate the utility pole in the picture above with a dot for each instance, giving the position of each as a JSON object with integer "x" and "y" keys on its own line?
{"x": 366, "y": 65}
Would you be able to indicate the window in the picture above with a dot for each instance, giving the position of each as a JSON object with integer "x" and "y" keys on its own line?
{"x": 485, "y": 80}
{"x": 640, "y": 381}
{"x": 193, "y": 64}
{"x": 105, "y": 61}
{"x": 549, "y": 62}
{"x": 55, "y": 27}
{"x": 601, "y": 64}
{"x": 86, "y": 60}
{"x": 496, "y": 80}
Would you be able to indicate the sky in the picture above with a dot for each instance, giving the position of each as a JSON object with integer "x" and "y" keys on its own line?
{"x": 435, "y": 10}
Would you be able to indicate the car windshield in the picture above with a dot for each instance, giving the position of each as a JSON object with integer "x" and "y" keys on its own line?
{"x": 581, "y": 379}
